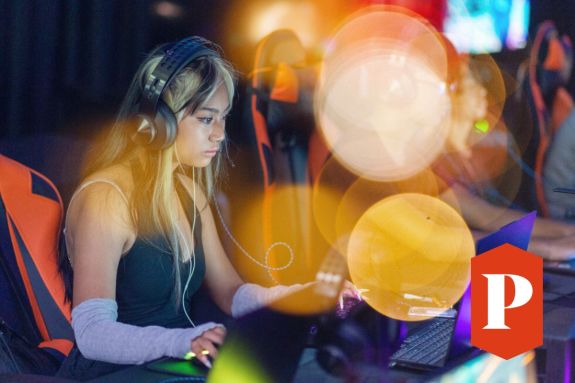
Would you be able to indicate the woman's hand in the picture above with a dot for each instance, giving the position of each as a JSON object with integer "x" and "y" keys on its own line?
{"x": 350, "y": 291}
{"x": 553, "y": 249}
{"x": 348, "y": 298}
{"x": 206, "y": 345}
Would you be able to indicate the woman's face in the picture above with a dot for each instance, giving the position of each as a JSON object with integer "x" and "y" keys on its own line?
{"x": 201, "y": 133}
{"x": 469, "y": 106}
{"x": 473, "y": 98}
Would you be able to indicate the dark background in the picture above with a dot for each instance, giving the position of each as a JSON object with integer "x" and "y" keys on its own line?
{"x": 65, "y": 64}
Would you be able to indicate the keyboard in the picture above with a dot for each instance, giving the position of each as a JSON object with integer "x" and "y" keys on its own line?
{"x": 427, "y": 347}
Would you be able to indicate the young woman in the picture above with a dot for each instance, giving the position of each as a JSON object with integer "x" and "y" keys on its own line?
{"x": 140, "y": 233}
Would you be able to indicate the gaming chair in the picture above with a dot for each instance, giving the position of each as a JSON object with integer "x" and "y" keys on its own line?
{"x": 543, "y": 78}
{"x": 281, "y": 121}
{"x": 32, "y": 290}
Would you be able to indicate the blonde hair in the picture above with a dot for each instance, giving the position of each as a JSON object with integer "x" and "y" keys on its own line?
{"x": 151, "y": 201}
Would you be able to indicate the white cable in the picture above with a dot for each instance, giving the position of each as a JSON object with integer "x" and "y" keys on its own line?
{"x": 228, "y": 232}
{"x": 264, "y": 265}
{"x": 190, "y": 252}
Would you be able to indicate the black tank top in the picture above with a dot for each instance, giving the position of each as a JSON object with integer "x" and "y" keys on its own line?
{"x": 145, "y": 282}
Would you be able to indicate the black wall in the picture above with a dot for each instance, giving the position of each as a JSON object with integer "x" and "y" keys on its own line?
{"x": 65, "y": 64}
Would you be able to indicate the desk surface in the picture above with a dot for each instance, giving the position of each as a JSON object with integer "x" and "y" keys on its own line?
{"x": 308, "y": 371}
{"x": 559, "y": 326}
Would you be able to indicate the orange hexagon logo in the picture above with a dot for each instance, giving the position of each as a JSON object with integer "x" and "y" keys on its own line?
{"x": 506, "y": 301}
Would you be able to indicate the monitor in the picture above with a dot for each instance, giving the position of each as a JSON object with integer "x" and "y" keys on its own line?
{"x": 487, "y": 26}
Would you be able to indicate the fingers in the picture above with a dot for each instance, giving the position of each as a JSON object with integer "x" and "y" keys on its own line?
{"x": 350, "y": 291}
{"x": 208, "y": 351}
{"x": 205, "y": 347}
{"x": 216, "y": 335}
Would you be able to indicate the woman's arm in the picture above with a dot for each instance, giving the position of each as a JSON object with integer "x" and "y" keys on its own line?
{"x": 100, "y": 337}
{"x": 98, "y": 233}
{"x": 484, "y": 216}
{"x": 551, "y": 239}
{"x": 222, "y": 279}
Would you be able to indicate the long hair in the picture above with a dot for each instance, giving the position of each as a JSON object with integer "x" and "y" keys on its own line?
{"x": 151, "y": 204}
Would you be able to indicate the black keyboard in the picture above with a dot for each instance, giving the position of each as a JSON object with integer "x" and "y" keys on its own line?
{"x": 428, "y": 347}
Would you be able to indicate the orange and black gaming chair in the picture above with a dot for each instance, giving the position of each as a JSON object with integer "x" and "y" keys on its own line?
{"x": 543, "y": 77}
{"x": 281, "y": 101}
{"x": 32, "y": 290}
{"x": 280, "y": 93}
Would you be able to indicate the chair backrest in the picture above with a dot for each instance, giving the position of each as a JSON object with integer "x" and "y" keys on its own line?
{"x": 280, "y": 118}
{"x": 31, "y": 213}
{"x": 543, "y": 76}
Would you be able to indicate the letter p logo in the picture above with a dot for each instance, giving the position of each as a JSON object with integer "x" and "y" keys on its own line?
{"x": 506, "y": 301}
{"x": 496, "y": 298}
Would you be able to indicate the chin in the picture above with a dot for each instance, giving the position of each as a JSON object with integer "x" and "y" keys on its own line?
{"x": 202, "y": 163}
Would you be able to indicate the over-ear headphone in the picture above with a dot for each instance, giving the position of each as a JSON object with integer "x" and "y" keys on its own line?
{"x": 161, "y": 129}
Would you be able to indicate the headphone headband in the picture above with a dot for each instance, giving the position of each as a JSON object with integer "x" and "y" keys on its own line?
{"x": 162, "y": 128}
{"x": 175, "y": 59}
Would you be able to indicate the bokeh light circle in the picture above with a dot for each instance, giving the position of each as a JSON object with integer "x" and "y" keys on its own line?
{"x": 382, "y": 102}
{"x": 328, "y": 190}
{"x": 364, "y": 193}
{"x": 487, "y": 180}
{"x": 410, "y": 256}
{"x": 488, "y": 73}
{"x": 286, "y": 247}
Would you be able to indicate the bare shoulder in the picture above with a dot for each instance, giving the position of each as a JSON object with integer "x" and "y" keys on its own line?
{"x": 118, "y": 177}
{"x": 98, "y": 232}
{"x": 103, "y": 197}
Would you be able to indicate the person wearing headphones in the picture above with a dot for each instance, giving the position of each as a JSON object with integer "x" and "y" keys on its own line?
{"x": 140, "y": 234}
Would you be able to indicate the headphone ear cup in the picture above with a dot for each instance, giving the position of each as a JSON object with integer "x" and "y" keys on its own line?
{"x": 145, "y": 135}
{"x": 166, "y": 127}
